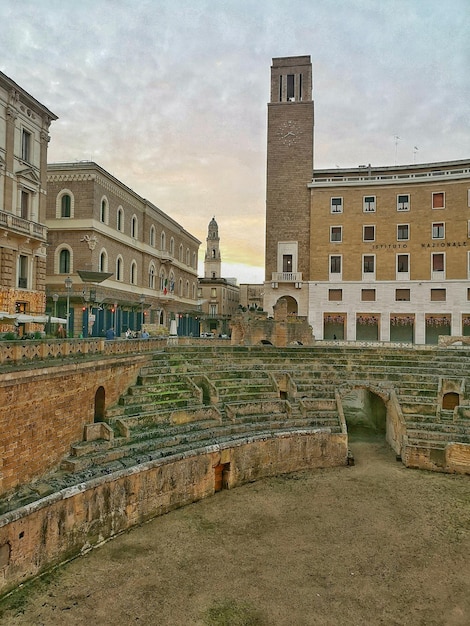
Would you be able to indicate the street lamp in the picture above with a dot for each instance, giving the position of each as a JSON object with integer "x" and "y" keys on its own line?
{"x": 68, "y": 286}
{"x": 55, "y": 297}
{"x": 142, "y": 300}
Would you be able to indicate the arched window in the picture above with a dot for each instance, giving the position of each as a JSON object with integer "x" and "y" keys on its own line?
{"x": 171, "y": 283}
{"x": 119, "y": 268}
{"x": 172, "y": 246}
{"x": 103, "y": 262}
{"x": 193, "y": 295}
{"x": 104, "y": 211}
{"x": 152, "y": 276}
{"x": 133, "y": 273}
{"x": 66, "y": 206}
{"x": 134, "y": 231}
{"x": 162, "y": 280}
{"x": 120, "y": 219}
{"x": 64, "y": 262}
{"x": 163, "y": 241}
{"x": 194, "y": 260}
{"x": 180, "y": 256}
{"x": 186, "y": 291}
{"x": 188, "y": 256}
{"x": 180, "y": 288}
{"x": 152, "y": 236}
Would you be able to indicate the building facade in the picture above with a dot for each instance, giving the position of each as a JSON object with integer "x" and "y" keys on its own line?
{"x": 24, "y": 137}
{"x": 388, "y": 250}
{"x": 251, "y": 295}
{"x": 128, "y": 263}
{"x": 219, "y": 297}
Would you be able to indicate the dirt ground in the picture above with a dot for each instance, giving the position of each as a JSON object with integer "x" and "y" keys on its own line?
{"x": 375, "y": 543}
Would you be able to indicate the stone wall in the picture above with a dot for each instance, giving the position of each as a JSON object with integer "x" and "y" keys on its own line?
{"x": 44, "y": 410}
{"x": 38, "y": 536}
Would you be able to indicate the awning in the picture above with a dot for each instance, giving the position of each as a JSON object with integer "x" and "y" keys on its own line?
{"x": 24, "y": 318}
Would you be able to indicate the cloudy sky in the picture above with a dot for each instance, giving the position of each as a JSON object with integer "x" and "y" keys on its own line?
{"x": 170, "y": 95}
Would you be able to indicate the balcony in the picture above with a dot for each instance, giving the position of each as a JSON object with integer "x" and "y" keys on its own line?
{"x": 286, "y": 277}
{"x": 15, "y": 224}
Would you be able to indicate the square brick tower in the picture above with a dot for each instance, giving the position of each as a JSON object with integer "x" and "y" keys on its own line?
{"x": 289, "y": 171}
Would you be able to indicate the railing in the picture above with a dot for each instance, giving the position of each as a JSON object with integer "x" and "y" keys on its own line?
{"x": 30, "y": 350}
{"x": 20, "y": 225}
{"x": 286, "y": 277}
{"x": 381, "y": 178}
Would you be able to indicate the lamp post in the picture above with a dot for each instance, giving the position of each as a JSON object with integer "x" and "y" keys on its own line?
{"x": 55, "y": 297}
{"x": 68, "y": 286}
{"x": 142, "y": 300}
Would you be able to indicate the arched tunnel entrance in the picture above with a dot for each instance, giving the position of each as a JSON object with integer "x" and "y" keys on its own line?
{"x": 365, "y": 413}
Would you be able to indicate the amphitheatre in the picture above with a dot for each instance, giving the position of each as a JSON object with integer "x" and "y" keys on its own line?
{"x": 99, "y": 437}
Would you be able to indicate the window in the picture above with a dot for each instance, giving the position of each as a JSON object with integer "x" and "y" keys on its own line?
{"x": 335, "y": 265}
{"x": 66, "y": 206}
{"x": 103, "y": 263}
{"x": 402, "y": 295}
{"x": 152, "y": 236}
{"x": 368, "y": 233}
{"x": 213, "y": 310}
{"x": 403, "y": 202}
{"x": 336, "y": 205}
{"x": 335, "y": 295}
{"x": 290, "y": 86}
{"x": 134, "y": 227}
{"x": 188, "y": 256}
{"x": 152, "y": 277}
{"x": 369, "y": 204}
{"x": 133, "y": 275}
{"x": 64, "y": 262}
{"x": 438, "y": 295}
{"x": 172, "y": 246}
{"x": 163, "y": 241}
{"x": 438, "y": 200}
{"x": 25, "y": 204}
{"x": 26, "y": 146}
{"x": 368, "y": 295}
{"x": 120, "y": 219}
{"x": 22, "y": 272}
{"x": 402, "y": 263}
{"x": 287, "y": 263}
{"x": 368, "y": 264}
{"x": 438, "y": 230}
{"x": 180, "y": 253}
{"x": 403, "y": 232}
{"x": 336, "y": 233}
{"x": 213, "y": 292}
{"x": 104, "y": 213}
{"x": 119, "y": 268}
{"x": 438, "y": 262}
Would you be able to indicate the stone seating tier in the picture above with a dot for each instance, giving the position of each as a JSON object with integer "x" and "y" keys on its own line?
{"x": 170, "y": 383}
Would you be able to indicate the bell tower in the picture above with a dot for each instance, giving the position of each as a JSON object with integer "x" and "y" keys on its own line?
{"x": 212, "y": 260}
{"x": 289, "y": 170}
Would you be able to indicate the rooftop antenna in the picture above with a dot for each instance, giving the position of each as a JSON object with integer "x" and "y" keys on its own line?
{"x": 415, "y": 150}
{"x": 397, "y": 139}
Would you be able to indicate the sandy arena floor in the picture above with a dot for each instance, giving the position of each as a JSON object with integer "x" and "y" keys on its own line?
{"x": 371, "y": 544}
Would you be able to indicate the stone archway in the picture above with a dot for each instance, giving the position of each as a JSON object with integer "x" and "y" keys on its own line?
{"x": 291, "y": 305}
{"x": 365, "y": 411}
{"x": 99, "y": 405}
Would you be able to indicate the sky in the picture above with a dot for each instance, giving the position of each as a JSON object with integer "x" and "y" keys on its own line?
{"x": 170, "y": 96}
